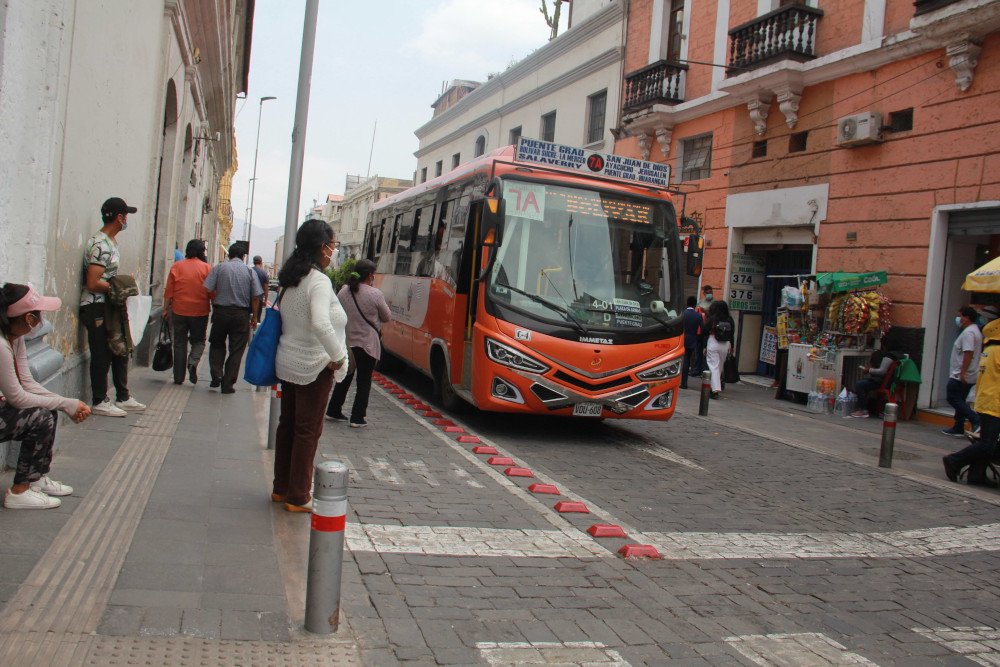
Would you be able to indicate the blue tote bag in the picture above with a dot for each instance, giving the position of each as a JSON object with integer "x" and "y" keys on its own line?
{"x": 259, "y": 369}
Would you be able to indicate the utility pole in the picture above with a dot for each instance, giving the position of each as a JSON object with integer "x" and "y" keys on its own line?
{"x": 253, "y": 179}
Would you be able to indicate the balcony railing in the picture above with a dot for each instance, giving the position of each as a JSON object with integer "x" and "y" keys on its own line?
{"x": 785, "y": 33}
{"x": 924, "y": 6}
{"x": 660, "y": 82}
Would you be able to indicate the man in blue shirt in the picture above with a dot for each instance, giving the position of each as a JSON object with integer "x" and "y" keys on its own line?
{"x": 694, "y": 324}
{"x": 235, "y": 292}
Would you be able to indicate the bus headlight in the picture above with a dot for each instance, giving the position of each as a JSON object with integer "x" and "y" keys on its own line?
{"x": 508, "y": 356}
{"x": 663, "y": 371}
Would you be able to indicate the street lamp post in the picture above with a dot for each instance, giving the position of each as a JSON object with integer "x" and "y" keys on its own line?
{"x": 253, "y": 179}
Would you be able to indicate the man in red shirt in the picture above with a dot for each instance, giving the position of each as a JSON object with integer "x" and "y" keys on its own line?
{"x": 186, "y": 303}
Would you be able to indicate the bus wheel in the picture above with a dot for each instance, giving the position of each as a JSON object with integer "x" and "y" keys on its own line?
{"x": 443, "y": 390}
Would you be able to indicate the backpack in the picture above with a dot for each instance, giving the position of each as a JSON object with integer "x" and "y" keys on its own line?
{"x": 724, "y": 331}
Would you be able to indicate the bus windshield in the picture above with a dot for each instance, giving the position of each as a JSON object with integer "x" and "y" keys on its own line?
{"x": 587, "y": 259}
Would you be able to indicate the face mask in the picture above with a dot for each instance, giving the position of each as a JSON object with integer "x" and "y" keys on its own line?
{"x": 38, "y": 325}
{"x": 708, "y": 297}
{"x": 125, "y": 225}
{"x": 958, "y": 322}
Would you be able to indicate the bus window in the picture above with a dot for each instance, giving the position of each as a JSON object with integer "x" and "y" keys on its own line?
{"x": 395, "y": 233}
{"x": 442, "y": 224}
{"x": 381, "y": 233}
{"x": 404, "y": 248}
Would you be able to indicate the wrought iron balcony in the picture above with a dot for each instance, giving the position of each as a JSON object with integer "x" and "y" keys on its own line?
{"x": 924, "y": 6}
{"x": 659, "y": 82}
{"x": 786, "y": 33}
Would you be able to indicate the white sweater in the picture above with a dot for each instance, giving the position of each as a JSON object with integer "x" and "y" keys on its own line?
{"x": 312, "y": 331}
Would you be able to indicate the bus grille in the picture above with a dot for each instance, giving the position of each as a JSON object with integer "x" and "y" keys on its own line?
{"x": 599, "y": 386}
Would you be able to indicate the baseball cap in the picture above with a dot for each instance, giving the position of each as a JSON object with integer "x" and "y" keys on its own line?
{"x": 116, "y": 206}
{"x": 992, "y": 331}
{"x": 33, "y": 301}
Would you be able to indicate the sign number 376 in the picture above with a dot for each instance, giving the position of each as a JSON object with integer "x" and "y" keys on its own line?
{"x": 741, "y": 294}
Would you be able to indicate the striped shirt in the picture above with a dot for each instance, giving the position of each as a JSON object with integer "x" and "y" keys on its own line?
{"x": 234, "y": 284}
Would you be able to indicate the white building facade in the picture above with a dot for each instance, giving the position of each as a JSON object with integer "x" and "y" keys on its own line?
{"x": 112, "y": 98}
{"x": 354, "y": 211}
{"x": 567, "y": 91}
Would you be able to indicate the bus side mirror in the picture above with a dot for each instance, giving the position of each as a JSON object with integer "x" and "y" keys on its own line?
{"x": 694, "y": 251}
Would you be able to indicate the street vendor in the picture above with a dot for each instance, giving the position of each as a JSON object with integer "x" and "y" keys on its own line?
{"x": 867, "y": 386}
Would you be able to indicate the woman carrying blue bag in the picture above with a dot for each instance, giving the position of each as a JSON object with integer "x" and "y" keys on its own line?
{"x": 311, "y": 356}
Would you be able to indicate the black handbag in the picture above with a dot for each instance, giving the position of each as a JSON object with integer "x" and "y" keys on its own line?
{"x": 730, "y": 369}
{"x": 163, "y": 357}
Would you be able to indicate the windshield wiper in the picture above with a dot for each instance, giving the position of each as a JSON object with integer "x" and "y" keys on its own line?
{"x": 570, "y": 317}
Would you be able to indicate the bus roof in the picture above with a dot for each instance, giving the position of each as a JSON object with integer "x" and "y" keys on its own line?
{"x": 503, "y": 155}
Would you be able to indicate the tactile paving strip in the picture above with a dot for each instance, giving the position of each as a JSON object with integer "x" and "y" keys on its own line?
{"x": 193, "y": 652}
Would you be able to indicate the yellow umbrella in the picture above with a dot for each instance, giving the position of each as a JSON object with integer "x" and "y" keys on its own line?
{"x": 984, "y": 279}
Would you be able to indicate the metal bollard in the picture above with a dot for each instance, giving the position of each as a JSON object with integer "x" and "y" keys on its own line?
{"x": 706, "y": 393}
{"x": 326, "y": 547}
{"x": 888, "y": 435}
{"x": 274, "y": 411}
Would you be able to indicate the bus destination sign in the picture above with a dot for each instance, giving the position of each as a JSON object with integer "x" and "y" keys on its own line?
{"x": 613, "y": 166}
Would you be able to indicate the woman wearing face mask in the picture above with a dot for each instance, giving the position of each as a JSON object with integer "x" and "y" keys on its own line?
{"x": 27, "y": 410}
{"x": 312, "y": 355}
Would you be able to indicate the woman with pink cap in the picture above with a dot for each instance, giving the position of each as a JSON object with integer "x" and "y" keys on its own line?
{"x": 27, "y": 410}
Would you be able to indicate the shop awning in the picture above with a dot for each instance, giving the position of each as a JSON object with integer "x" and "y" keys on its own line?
{"x": 984, "y": 279}
{"x": 841, "y": 281}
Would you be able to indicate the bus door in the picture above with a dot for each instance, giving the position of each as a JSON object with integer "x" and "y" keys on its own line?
{"x": 470, "y": 275}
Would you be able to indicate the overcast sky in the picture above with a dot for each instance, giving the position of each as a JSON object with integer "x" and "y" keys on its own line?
{"x": 374, "y": 60}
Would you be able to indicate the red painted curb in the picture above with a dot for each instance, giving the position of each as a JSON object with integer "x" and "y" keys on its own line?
{"x": 639, "y": 551}
{"x": 471, "y": 440}
{"x": 500, "y": 461}
{"x": 544, "y": 488}
{"x": 484, "y": 449}
{"x": 518, "y": 472}
{"x": 606, "y": 530}
{"x": 565, "y": 506}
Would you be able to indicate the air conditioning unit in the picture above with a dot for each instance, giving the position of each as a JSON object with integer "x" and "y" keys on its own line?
{"x": 859, "y": 129}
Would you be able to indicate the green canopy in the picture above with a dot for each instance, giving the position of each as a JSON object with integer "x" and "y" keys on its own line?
{"x": 841, "y": 281}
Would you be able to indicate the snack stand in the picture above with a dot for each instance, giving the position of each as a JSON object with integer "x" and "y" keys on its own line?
{"x": 830, "y": 325}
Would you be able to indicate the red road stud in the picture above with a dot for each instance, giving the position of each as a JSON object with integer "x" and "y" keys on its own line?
{"x": 434, "y": 414}
{"x": 544, "y": 488}
{"x": 500, "y": 461}
{"x": 518, "y": 472}
{"x": 639, "y": 551}
{"x": 443, "y": 422}
{"x": 454, "y": 429}
{"x": 566, "y": 506}
{"x": 482, "y": 449}
{"x": 420, "y": 407}
{"x": 471, "y": 440}
{"x": 606, "y": 530}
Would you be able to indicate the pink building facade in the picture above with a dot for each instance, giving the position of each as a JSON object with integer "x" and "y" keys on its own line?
{"x": 857, "y": 135}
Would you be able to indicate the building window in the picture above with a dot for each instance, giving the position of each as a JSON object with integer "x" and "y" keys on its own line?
{"x": 901, "y": 121}
{"x": 696, "y": 161}
{"x": 514, "y": 135}
{"x": 423, "y": 175}
{"x": 596, "y": 106}
{"x": 797, "y": 142}
{"x": 549, "y": 127}
{"x": 456, "y": 159}
{"x": 759, "y": 148}
{"x": 438, "y": 166}
{"x": 676, "y": 35}
{"x": 480, "y": 146}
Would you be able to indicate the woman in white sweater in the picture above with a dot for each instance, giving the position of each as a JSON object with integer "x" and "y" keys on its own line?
{"x": 312, "y": 355}
{"x": 27, "y": 410}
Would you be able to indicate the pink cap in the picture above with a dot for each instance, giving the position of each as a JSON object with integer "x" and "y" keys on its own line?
{"x": 33, "y": 301}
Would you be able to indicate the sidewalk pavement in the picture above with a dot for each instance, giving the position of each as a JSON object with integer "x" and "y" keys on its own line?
{"x": 170, "y": 552}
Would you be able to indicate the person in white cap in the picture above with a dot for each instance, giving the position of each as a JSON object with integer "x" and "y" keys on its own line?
{"x": 27, "y": 410}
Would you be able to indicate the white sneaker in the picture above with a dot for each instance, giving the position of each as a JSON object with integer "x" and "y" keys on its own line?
{"x": 30, "y": 500}
{"x": 131, "y": 405}
{"x": 51, "y": 487}
{"x": 107, "y": 409}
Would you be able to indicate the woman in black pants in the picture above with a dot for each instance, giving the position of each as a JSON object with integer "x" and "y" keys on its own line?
{"x": 366, "y": 311}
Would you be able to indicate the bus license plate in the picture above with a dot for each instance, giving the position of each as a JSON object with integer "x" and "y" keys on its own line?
{"x": 587, "y": 410}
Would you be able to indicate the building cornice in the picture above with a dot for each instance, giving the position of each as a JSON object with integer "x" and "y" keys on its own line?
{"x": 606, "y": 59}
{"x": 555, "y": 49}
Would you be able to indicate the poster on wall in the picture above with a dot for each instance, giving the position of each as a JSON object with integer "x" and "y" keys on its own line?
{"x": 769, "y": 345}
{"x": 746, "y": 283}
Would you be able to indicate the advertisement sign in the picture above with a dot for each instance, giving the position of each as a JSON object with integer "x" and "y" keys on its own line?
{"x": 769, "y": 346}
{"x": 746, "y": 283}
{"x": 601, "y": 164}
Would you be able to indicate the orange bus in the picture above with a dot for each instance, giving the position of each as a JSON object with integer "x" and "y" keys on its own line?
{"x": 536, "y": 285}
